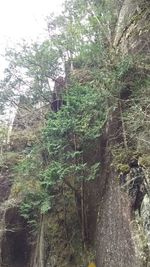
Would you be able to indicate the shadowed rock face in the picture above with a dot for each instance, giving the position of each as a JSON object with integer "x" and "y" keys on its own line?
{"x": 15, "y": 248}
{"x": 5, "y": 185}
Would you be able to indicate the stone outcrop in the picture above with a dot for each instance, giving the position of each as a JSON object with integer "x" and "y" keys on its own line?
{"x": 116, "y": 245}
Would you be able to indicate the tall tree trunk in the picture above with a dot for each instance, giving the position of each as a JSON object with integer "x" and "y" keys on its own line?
{"x": 39, "y": 250}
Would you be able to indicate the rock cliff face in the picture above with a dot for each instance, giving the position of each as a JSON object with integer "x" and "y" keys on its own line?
{"x": 132, "y": 32}
{"x": 116, "y": 245}
{"x": 14, "y": 242}
{"x": 15, "y": 247}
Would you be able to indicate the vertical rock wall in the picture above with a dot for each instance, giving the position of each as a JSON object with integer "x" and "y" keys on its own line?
{"x": 114, "y": 241}
{"x": 115, "y": 244}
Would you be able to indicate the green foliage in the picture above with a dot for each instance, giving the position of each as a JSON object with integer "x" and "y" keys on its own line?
{"x": 145, "y": 160}
{"x": 67, "y": 132}
{"x": 81, "y": 34}
{"x": 3, "y": 136}
{"x": 124, "y": 168}
{"x": 29, "y": 67}
{"x": 136, "y": 115}
{"x": 35, "y": 203}
{"x": 10, "y": 160}
{"x": 83, "y": 114}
